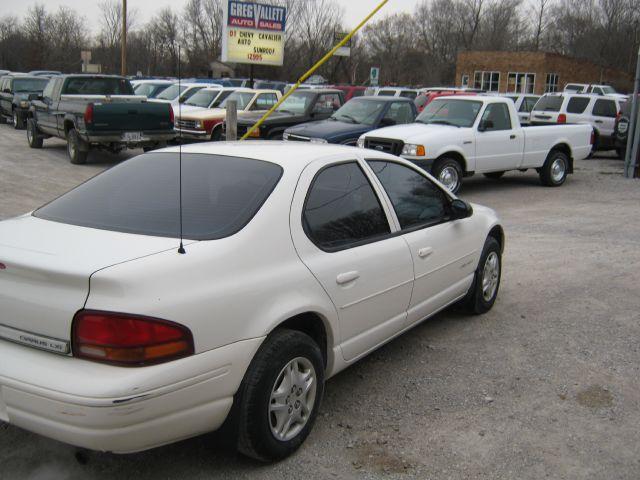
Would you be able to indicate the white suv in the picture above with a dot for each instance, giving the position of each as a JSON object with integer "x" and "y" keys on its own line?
{"x": 599, "y": 111}
{"x": 524, "y": 104}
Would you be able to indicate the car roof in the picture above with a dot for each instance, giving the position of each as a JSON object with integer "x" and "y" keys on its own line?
{"x": 383, "y": 98}
{"x": 294, "y": 155}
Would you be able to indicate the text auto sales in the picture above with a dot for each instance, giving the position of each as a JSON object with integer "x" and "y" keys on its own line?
{"x": 258, "y": 16}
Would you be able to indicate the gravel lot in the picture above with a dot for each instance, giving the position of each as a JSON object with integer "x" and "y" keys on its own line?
{"x": 545, "y": 385}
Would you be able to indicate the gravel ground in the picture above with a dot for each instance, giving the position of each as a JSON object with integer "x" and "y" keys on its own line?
{"x": 547, "y": 384}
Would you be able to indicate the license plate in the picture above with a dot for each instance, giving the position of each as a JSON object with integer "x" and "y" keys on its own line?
{"x": 132, "y": 136}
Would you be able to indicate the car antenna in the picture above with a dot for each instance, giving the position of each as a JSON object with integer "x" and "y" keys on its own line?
{"x": 181, "y": 249}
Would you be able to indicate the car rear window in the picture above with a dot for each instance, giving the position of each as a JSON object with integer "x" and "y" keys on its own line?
{"x": 549, "y": 103}
{"x": 220, "y": 195}
{"x": 97, "y": 86}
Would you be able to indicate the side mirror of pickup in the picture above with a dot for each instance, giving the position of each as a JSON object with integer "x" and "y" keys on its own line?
{"x": 6, "y": 90}
{"x": 485, "y": 125}
{"x": 34, "y": 96}
{"x": 460, "y": 209}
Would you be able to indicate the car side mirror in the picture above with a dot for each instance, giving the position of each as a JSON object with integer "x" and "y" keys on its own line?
{"x": 461, "y": 209}
{"x": 7, "y": 90}
{"x": 387, "y": 122}
{"x": 485, "y": 125}
{"x": 34, "y": 96}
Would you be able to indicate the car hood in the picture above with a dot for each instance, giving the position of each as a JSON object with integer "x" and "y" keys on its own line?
{"x": 415, "y": 132}
{"x": 46, "y": 267}
{"x": 328, "y": 129}
{"x": 205, "y": 114}
{"x": 188, "y": 109}
{"x": 275, "y": 117}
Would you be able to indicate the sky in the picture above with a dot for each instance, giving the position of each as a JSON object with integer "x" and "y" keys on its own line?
{"x": 355, "y": 10}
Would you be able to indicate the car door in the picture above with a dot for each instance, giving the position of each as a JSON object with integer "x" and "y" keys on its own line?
{"x": 445, "y": 252}
{"x": 343, "y": 234}
{"x": 498, "y": 145}
{"x": 5, "y": 96}
{"x": 264, "y": 102}
{"x": 604, "y": 116}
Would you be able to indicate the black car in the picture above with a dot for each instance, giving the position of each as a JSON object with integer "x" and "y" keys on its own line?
{"x": 302, "y": 106}
{"x": 14, "y": 97}
{"x": 622, "y": 127}
{"x": 356, "y": 117}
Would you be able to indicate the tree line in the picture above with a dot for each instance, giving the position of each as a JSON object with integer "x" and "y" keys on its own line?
{"x": 417, "y": 48}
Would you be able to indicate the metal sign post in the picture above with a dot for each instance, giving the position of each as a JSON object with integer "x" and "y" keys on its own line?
{"x": 633, "y": 136}
{"x": 232, "y": 121}
{"x": 374, "y": 76}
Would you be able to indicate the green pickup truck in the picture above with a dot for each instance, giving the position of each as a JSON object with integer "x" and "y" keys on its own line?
{"x": 97, "y": 112}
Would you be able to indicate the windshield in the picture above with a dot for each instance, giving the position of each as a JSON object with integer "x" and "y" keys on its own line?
{"x": 149, "y": 89}
{"x": 220, "y": 195}
{"x": 549, "y": 103}
{"x": 171, "y": 93}
{"x": 243, "y": 99}
{"x": 459, "y": 113}
{"x": 97, "y": 86}
{"x": 29, "y": 85}
{"x": 203, "y": 98}
{"x": 297, "y": 103}
{"x": 360, "y": 111}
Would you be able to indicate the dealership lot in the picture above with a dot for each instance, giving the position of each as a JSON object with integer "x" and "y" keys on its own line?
{"x": 546, "y": 384}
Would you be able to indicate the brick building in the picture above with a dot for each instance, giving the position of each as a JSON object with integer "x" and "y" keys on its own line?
{"x": 532, "y": 72}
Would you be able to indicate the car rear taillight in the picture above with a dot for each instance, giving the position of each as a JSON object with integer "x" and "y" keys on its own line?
{"x": 128, "y": 340}
{"x": 562, "y": 118}
{"x": 172, "y": 116}
{"x": 88, "y": 114}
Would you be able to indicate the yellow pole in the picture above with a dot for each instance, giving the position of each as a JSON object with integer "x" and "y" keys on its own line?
{"x": 313, "y": 69}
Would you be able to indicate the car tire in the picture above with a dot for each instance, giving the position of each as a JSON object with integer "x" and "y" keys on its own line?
{"x": 494, "y": 175}
{"x": 555, "y": 168}
{"x": 448, "y": 172}
{"x": 486, "y": 281}
{"x": 75, "y": 148}
{"x": 216, "y": 134}
{"x": 621, "y": 152}
{"x": 17, "y": 121}
{"x": 266, "y": 429}
{"x": 275, "y": 136}
{"x": 34, "y": 138}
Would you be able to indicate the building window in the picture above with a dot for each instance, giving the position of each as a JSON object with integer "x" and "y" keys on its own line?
{"x": 489, "y": 81}
{"x": 551, "y": 83}
{"x": 465, "y": 81}
{"x": 521, "y": 82}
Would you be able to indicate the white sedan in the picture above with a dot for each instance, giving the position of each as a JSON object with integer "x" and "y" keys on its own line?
{"x": 298, "y": 261}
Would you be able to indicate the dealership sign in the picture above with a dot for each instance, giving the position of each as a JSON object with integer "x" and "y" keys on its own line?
{"x": 253, "y": 33}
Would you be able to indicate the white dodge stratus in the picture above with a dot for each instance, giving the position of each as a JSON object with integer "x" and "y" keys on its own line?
{"x": 299, "y": 260}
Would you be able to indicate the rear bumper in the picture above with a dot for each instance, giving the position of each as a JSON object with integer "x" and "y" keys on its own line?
{"x": 118, "y": 409}
{"x": 148, "y": 138}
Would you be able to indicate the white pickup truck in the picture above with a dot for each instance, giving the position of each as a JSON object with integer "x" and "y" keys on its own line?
{"x": 455, "y": 137}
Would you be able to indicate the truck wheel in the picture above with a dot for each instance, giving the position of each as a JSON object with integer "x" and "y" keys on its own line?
{"x": 33, "y": 137}
{"x": 554, "y": 170}
{"x": 448, "y": 172}
{"x": 74, "y": 144}
{"x": 486, "y": 282}
{"x": 494, "y": 175}
{"x": 280, "y": 396}
{"x": 620, "y": 152}
{"x": 216, "y": 134}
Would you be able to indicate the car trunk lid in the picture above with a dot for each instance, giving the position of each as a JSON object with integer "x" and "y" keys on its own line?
{"x": 45, "y": 269}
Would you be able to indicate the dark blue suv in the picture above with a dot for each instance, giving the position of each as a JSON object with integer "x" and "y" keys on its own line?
{"x": 356, "y": 117}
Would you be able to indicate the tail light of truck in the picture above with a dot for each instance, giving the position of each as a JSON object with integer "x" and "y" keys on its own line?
{"x": 562, "y": 118}
{"x": 88, "y": 114}
{"x": 172, "y": 116}
{"x": 128, "y": 340}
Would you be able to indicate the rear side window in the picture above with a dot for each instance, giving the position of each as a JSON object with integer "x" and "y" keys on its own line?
{"x": 387, "y": 93}
{"x": 549, "y": 103}
{"x": 408, "y": 94}
{"x": 605, "y": 108}
{"x": 357, "y": 93}
{"x": 527, "y": 104}
{"x": 48, "y": 89}
{"x": 342, "y": 210}
{"x": 416, "y": 200}
{"x": 577, "y": 104}
{"x": 220, "y": 195}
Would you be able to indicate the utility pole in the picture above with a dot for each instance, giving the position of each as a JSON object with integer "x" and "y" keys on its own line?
{"x": 123, "y": 38}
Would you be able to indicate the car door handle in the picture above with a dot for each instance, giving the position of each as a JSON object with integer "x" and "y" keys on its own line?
{"x": 347, "y": 277}
{"x": 512, "y": 137}
{"x": 599, "y": 121}
{"x": 425, "y": 252}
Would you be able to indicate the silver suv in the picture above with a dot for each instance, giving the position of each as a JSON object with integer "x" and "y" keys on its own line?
{"x": 597, "y": 110}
